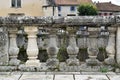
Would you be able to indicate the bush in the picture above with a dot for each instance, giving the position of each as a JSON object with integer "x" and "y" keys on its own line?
{"x": 87, "y": 9}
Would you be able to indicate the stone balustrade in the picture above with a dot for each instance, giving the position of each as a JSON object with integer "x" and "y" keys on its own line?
{"x": 88, "y": 49}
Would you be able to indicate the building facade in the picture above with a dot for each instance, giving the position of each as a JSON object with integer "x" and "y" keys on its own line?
{"x": 21, "y": 7}
{"x": 62, "y": 7}
{"x": 107, "y": 9}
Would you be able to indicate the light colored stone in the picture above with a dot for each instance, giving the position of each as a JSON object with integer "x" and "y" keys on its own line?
{"x": 16, "y": 73}
{"x": 97, "y": 73}
{"x": 63, "y": 73}
{"x": 118, "y": 46}
{"x": 64, "y": 77}
{"x": 37, "y": 77}
{"x": 32, "y": 48}
{"x": 8, "y": 68}
{"x": 10, "y": 77}
{"x": 82, "y": 42}
{"x": 13, "y": 49}
{"x": 114, "y": 77}
{"x": 110, "y": 49}
{"x": 91, "y": 77}
{"x": 34, "y": 73}
{"x": 4, "y": 73}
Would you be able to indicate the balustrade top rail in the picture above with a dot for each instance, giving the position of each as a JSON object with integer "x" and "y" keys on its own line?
{"x": 69, "y": 20}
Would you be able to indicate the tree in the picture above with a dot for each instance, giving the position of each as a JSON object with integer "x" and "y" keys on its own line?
{"x": 87, "y": 9}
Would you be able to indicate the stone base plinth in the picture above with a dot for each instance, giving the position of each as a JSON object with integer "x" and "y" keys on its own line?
{"x": 110, "y": 60}
{"x": 33, "y": 63}
{"x": 52, "y": 63}
{"x": 73, "y": 62}
{"x": 92, "y": 62}
{"x": 14, "y": 62}
{"x": 24, "y": 67}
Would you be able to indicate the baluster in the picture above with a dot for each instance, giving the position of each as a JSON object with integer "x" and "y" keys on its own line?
{"x": 52, "y": 51}
{"x": 32, "y": 48}
{"x": 13, "y": 50}
{"x": 92, "y": 52}
{"x": 110, "y": 49}
{"x": 72, "y": 51}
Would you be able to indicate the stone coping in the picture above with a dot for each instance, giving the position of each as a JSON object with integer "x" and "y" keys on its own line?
{"x": 69, "y": 20}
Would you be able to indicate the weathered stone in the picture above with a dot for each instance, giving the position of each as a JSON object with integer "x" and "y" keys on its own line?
{"x": 3, "y": 46}
{"x": 64, "y": 77}
{"x": 91, "y": 77}
{"x": 72, "y": 51}
{"x": 8, "y": 68}
{"x": 63, "y": 73}
{"x": 13, "y": 50}
{"x": 118, "y": 46}
{"x": 82, "y": 42}
{"x": 10, "y": 77}
{"x": 92, "y": 52}
{"x": 114, "y": 77}
{"x": 110, "y": 49}
{"x": 37, "y": 77}
{"x": 52, "y": 51}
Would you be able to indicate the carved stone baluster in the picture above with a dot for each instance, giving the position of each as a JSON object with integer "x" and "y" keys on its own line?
{"x": 72, "y": 51}
{"x": 13, "y": 50}
{"x": 32, "y": 48}
{"x": 92, "y": 52}
{"x": 110, "y": 49}
{"x": 52, "y": 51}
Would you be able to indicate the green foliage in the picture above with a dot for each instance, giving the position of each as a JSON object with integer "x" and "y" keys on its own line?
{"x": 87, "y": 9}
{"x": 104, "y": 69}
{"x": 62, "y": 54}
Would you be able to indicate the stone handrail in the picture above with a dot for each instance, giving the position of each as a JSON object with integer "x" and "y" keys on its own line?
{"x": 72, "y": 20}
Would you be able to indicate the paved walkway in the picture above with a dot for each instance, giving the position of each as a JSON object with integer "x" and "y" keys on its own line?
{"x": 59, "y": 76}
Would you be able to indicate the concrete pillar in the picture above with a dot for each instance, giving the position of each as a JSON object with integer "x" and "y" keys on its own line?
{"x": 118, "y": 45}
{"x": 32, "y": 48}
{"x": 13, "y": 49}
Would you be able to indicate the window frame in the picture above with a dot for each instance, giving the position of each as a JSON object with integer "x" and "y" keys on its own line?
{"x": 59, "y": 8}
{"x": 16, "y": 3}
{"x": 72, "y": 8}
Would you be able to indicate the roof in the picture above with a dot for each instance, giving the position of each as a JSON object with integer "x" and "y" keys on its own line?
{"x": 84, "y": 1}
{"x": 66, "y": 2}
{"x": 107, "y": 6}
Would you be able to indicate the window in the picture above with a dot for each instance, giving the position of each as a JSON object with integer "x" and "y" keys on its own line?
{"x": 16, "y": 3}
{"x": 72, "y": 8}
{"x": 100, "y": 14}
{"x": 111, "y": 13}
{"x": 59, "y": 14}
{"x": 59, "y": 8}
{"x": 105, "y": 14}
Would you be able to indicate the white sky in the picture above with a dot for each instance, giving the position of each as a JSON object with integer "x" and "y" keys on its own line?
{"x": 117, "y": 2}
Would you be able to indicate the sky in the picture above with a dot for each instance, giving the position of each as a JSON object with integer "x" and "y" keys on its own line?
{"x": 117, "y": 2}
